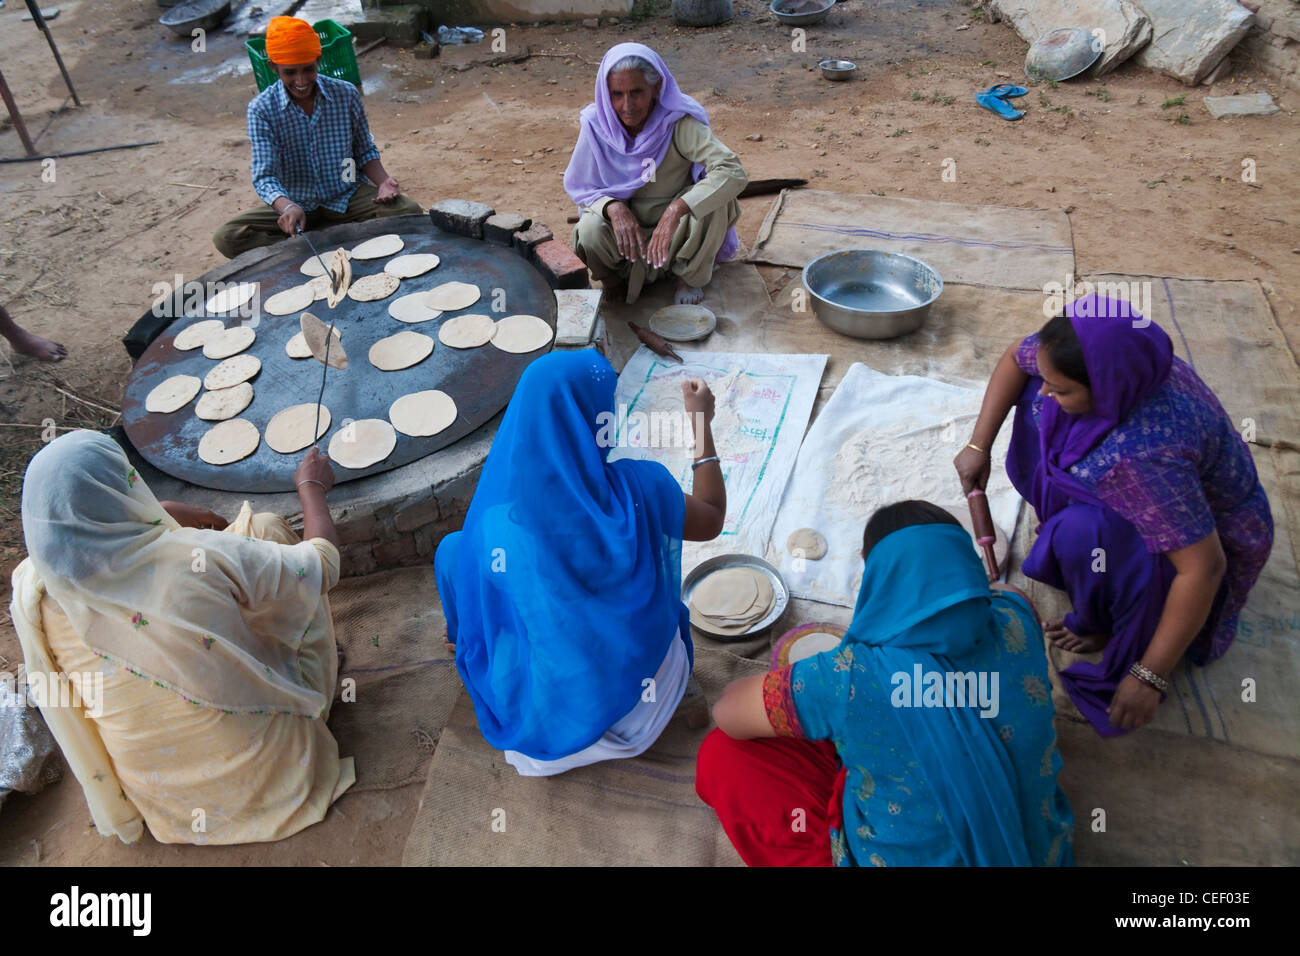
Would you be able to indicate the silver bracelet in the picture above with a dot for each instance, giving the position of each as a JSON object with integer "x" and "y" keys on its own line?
{"x": 313, "y": 481}
{"x": 1148, "y": 676}
{"x": 705, "y": 461}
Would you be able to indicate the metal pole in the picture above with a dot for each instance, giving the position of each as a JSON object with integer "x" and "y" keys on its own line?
{"x": 34, "y": 7}
{"x": 14, "y": 115}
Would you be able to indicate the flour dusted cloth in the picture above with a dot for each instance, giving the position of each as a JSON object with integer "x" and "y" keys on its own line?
{"x": 880, "y": 439}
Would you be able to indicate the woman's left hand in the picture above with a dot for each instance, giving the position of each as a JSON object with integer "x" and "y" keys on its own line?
{"x": 192, "y": 516}
{"x": 661, "y": 239}
{"x": 1134, "y": 703}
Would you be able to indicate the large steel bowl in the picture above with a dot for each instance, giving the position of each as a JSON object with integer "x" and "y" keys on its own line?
{"x": 870, "y": 294}
{"x": 801, "y": 13}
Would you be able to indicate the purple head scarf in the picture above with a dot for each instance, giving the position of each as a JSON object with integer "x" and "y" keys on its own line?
{"x": 609, "y": 162}
{"x": 1127, "y": 357}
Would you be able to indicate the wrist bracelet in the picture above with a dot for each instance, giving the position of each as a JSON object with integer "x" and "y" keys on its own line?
{"x": 705, "y": 461}
{"x": 1148, "y": 676}
{"x": 312, "y": 481}
{"x": 971, "y": 444}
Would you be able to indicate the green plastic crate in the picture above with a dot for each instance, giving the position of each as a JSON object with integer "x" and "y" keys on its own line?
{"x": 337, "y": 57}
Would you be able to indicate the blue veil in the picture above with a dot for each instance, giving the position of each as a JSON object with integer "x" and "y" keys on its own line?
{"x": 563, "y": 591}
{"x": 909, "y": 612}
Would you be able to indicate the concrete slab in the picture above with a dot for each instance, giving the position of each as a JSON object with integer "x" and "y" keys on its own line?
{"x": 1126, "y": 28}
{"x": 1253, "y": 104}
{"x": 1190, "y": 37}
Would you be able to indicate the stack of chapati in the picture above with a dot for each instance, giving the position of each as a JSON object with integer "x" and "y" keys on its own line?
{"x": 731, "y": 600}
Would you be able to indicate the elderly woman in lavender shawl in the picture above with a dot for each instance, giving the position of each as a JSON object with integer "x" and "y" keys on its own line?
{"x": 657, "y": 190}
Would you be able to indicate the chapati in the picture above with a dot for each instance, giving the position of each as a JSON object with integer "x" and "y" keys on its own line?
{"x": 400, "y": 351}
{"x": 314, "y": 332}
{"x": 451, "y": 296}
{"x": 172, "y": 394}
{"x": 297, "y": 346}
{"x": 196, "y": 335}
{"x": 726, "y": 592}
{"x": 416, "y": 264}
{"x": 229, "y": 441}
{"x": 374, "y": 287}
{"x": 411, "y": 308}
{"x": 312, "y": 266}
{"x": 422, "y": 413}
{"x": 232, "y": 371}
{"x": 320, "y": 288}
{"x": 289, "y": 430}
{"x": 228, "y": 342}
{"x": 806, "y": 543}
{"x": 467, "y": 331}
{"x": 217, "y": 406}
{"x": 521, "y": 333}
{"x": 378, "y": 247}
{"x": 340, "y": 267}
{"x": 363, "y": 443}
{"x": 231, "y": 298}
{"x": 291, "y": 300}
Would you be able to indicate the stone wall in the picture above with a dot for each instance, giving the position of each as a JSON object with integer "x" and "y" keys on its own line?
{"x": 1274, "y": 41}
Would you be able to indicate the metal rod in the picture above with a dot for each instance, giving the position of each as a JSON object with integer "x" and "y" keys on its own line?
{"x": 80, "y": 152}
{"x": 17, "y": 118}
{"x": 39, "y": 20}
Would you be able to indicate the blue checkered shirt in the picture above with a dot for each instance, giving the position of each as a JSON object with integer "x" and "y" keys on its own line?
{"x": 307, "y": 157}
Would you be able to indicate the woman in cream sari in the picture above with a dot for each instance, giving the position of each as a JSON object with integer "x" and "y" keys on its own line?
{"x": 204, "y": 661}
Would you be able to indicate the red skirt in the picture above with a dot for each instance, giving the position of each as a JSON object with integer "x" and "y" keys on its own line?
{"x": 777, "y": 798}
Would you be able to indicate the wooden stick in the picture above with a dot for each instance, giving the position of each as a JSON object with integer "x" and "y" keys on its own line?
{"x": 86, "y": 401}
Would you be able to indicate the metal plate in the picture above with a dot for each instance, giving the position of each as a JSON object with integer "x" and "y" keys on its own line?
{"x": 780, "y": 593}
{"x": 669, "y": 321}
{"x": 479, "y": 380}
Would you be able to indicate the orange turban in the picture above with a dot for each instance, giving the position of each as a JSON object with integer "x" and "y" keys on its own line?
{"x": 291, "y": 42}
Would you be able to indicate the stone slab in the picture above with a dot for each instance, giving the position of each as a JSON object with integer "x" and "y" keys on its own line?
{"x": 1126, "y": 28}
{"x": 460, "y": 216}
{"x": 400, "y": 24}
{"x": 1190, "y": 37}
{"x": 578, "y": 310}
{"x": 1253, "y": 104}
{"x": 503, "y": 226}
{"x": 535, "y": 234}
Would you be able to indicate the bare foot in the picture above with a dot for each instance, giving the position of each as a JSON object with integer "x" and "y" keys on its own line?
{"x": 687, "y": 294}
{"x": 1067, "y": 640}
{"x": 46, "y": 350}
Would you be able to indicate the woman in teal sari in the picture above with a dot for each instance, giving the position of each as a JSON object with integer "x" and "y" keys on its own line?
{"x": 924, "y": 739}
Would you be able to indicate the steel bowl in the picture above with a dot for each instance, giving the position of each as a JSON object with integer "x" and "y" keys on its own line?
{"x": 837, "y": 69}
{"x": 780, "y": 592}
{"x": 870, "y": 294}
{"x": 1061, "y": 54}
{"x": 800, "y": 13}
{"x": 184, "y": 18}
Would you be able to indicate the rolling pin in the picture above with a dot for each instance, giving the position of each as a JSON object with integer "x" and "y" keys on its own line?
{"x": 985, "y": 534}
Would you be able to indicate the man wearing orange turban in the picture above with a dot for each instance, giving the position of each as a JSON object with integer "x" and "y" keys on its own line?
{"x": 311, "y": 148}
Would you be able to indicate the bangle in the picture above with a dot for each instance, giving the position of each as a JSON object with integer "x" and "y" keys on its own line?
{"x": 971, "y": 444}
{"x": 312, "y": 481}
{"x": 705, "y": 461}
{"x": 1148, "y": 676}
{"x": 286, "y": 208}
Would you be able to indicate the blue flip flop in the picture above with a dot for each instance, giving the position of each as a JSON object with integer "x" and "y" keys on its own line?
{"x": 995, "y": 98}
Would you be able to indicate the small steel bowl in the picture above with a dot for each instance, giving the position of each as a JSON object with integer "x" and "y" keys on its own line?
{"x": 803, "y": 17}
{"x": 871, "y": 294}
{"x": 184, "y": 18}
{"x": 838, "y": 70}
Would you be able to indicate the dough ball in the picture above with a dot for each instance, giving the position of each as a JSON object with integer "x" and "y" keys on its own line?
{"x": 809, "y": 542}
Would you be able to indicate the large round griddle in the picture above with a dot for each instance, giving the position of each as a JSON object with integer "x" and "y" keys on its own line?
{"x": 479, "y": 380}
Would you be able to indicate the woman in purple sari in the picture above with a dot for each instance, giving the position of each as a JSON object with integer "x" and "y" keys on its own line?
{"x": 656, "y": 189}
{"x": 1152, "y": 517}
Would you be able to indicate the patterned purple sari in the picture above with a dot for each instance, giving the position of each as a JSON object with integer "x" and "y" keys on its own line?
{"x": 1155, "y": 467}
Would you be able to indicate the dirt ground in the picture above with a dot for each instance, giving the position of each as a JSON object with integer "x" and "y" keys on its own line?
{"x": 1152, "y": 183}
